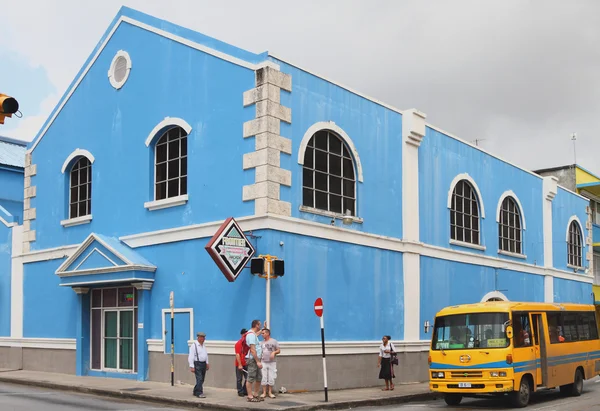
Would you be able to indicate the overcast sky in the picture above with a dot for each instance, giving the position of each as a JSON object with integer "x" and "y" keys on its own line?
{"x": 520, "y": 76}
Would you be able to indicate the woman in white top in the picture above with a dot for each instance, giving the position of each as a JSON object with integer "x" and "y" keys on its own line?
{"x": 386, "y": 368}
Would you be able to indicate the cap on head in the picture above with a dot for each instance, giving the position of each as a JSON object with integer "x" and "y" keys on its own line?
{"x": 200, "y": 334}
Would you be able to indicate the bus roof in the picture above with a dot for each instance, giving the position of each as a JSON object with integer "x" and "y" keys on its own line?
{"x": 506, "y": 306}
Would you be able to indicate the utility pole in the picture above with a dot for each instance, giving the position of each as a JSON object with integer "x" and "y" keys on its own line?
{"x": 574, "y": 140}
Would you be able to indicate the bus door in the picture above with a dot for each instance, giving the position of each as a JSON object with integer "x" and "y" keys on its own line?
{"x": 525, "y": 353}
{"x": 539, "y": 348}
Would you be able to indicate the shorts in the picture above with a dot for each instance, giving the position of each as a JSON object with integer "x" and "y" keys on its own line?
{"x": 254, "y": 373}
{"x": 269, "y": 373}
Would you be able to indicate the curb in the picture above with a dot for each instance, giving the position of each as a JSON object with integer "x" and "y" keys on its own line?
{"x": 427, "y": 396}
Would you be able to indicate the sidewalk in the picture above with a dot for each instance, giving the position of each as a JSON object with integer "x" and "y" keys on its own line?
{"x": 216, "y": 398}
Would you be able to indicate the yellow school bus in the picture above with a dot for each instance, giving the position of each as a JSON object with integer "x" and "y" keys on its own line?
{"x": 513, "y": 349}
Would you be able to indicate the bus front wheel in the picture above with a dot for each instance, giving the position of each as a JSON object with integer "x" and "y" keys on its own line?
{"x": 453, "y": 399}
{"x": 520, "y": 399}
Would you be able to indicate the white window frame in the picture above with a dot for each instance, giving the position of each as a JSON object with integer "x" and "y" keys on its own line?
{"x": 475, "y": 191}
{"x": 519, "y": 215}
{"x": 157, "y": 132}
{"x": 575, "y": 220}
{"x": 328, "y": 212}
{"x": 86, "y": 217}
{"x": 111, "y": 71}
{"x": 78, "y": 152}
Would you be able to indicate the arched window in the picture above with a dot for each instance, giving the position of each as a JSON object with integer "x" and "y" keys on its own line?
{"x": 328, "y": 178}
{"x": 80, "y": 188}
{"x": 575, "y": 245}
{"x": 464, "y": 214}
{"x": 510, "y": 237}
{"x": 170, "y": 178}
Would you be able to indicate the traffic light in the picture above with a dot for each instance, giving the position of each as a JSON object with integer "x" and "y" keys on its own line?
{"x": 8, "y": 107}
{"x": 258, "y": 266}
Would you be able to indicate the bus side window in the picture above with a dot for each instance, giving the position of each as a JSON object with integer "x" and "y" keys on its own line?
{"x": 554, "y": 328}
{"x": 522, "y": 330}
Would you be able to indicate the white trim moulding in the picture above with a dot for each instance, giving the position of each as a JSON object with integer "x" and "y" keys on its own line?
{"x": 78, "y": 152}
{"x": 47, "y": 343}
{"x": 467, "y": 245}
{"x": 86, "y": 219}
{"x": 166, "y": 203}
{"x": 341, "y": 234}
{"x": 304, "y": 348}
{"x": 337, "y": 216}
{"x": 163, "y": 33}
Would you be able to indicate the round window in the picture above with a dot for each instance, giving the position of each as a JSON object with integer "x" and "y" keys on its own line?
{"x": 119, "y": 69}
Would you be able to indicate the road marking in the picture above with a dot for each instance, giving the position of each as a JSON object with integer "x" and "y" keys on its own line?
{"x": 27, "y": 393}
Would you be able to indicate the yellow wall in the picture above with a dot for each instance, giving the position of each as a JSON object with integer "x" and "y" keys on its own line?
{"x": 583, "y": 177}
{"x": 597, "y": 293}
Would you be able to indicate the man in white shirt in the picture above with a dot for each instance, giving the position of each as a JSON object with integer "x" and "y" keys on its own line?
{"x": 253, "y": 362}
{"x": 198, "y": 362}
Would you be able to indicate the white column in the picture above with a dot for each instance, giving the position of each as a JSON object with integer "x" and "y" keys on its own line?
{"x": 550, "y": 186}
{"x": 413, "y": 131}
{"x": 16, "y": 284}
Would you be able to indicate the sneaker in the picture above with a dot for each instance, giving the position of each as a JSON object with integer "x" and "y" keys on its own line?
{"x": 201, "y": 396}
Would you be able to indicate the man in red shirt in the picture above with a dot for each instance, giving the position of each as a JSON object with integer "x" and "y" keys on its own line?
{"x": 241, "y": 369}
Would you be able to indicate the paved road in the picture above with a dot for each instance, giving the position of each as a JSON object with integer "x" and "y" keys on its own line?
{"x": 25, "y": 398}
{"x": 546, "y": 401}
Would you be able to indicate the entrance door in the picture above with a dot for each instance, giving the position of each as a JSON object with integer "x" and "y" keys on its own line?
{"x": 118, "y": 340}
{"x": 539, "y": 347}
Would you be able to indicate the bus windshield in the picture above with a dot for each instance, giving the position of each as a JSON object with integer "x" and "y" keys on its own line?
{"x": 466, "y": 331}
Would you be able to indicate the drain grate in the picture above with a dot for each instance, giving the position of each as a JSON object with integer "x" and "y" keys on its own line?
{"x": 134, "y": 389}
{"x": 288, "y": 403}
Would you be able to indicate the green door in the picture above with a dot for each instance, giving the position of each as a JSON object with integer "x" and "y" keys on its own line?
{"x": 110, "y": 338}
{"x": 126, "y": 340}
{"x": 118, "y": 340}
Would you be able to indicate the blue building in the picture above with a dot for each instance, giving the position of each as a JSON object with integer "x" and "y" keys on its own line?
{"x": 12, "y": 159}
{"x": 165, "y": 133}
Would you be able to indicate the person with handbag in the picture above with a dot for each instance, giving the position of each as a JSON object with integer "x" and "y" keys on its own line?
{"x": 387, "y": 359}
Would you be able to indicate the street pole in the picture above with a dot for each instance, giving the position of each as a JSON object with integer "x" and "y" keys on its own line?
{"x": 268, "y": 304}
{"x": 172, "y": 302}
{"x": 324, "y": 360}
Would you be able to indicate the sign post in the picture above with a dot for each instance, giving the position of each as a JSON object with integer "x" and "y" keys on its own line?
{"x": 172, "y": 304}
{"x": 319, "y": 313}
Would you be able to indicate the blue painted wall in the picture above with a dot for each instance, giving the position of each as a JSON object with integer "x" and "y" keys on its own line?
{"x": 377, "y": 135}
{"x": 359, "y": 285}
{"x": 596, "y": 233}
{"x": 12, "y": 184}
{"x": 49, "y": 311}
{"x": 181, "y": 324}
{"x": 441, "y": 159}
{"x": 564, "y": 206}
{"x": 167, "y": 79}
{"x": 445, "y": 283}
{"x": 5, "y": 279}
{"x": 566, "y": 291}
{"x": 11, "y": 191}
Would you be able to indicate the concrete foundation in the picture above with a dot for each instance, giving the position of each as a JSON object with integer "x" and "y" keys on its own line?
{"x": 299, "y": 372}
{"x": 35, "y": 359}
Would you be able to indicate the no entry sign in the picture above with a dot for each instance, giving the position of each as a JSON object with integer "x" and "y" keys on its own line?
{"x": 319, "y": 307}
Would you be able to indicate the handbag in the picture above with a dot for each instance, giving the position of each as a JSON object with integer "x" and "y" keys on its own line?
{"x": 393, "y": 355}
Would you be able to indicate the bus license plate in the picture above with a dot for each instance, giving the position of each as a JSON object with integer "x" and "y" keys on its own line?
{"x": 464, "y": 385}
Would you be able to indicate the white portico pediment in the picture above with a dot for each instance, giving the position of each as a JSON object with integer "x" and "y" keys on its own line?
{"x": 102, "y": 259}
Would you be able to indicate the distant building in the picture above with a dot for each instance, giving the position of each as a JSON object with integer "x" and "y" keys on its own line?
{"x": 12, "y": 159}
{"x": 165, "y": 133}
{"x": 583, "y": 182}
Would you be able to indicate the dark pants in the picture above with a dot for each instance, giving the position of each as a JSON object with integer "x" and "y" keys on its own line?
{"x": 241, "y": 378}
{"x": 200, "y": 371}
